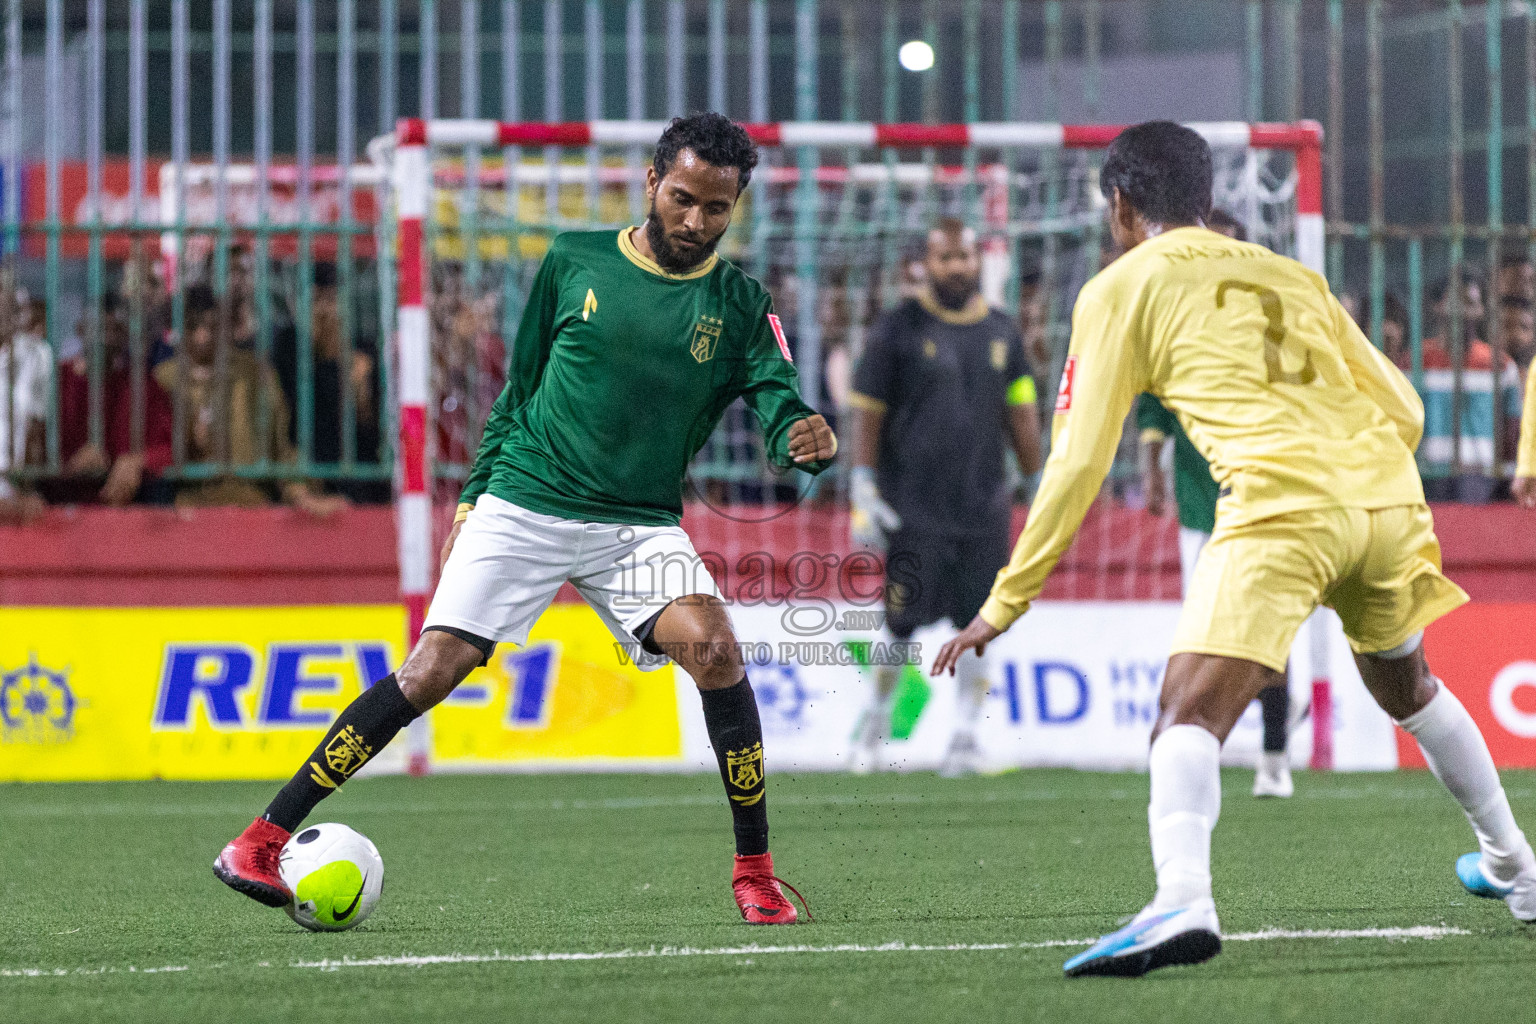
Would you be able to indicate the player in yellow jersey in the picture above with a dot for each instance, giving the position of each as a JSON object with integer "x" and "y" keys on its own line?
{"x": 1524, "y": 486}
{"x": 1310, "y": 432}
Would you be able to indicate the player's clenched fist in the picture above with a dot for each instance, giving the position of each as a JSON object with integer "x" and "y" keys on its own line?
{"x": 811, "y": 440}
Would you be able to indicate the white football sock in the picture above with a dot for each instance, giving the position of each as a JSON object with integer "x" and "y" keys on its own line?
{"x": 1457, "y": 755}
{"x": 1186, "y": 801}
{"x": 972, "y": 681}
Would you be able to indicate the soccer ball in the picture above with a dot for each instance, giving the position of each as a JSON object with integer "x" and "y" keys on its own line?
{"x": 336, "y": 876}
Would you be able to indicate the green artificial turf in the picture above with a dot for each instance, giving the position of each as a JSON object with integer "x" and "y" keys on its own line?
{"x": 104, "y": 881}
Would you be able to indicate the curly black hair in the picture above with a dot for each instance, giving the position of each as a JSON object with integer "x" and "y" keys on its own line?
{"x": 1163, "y": 169}
{"x": 714, "y": 138}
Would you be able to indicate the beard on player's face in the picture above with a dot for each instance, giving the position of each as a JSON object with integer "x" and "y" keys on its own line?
{"x": 953, "y": 291}
{"x": 673, "y": 253}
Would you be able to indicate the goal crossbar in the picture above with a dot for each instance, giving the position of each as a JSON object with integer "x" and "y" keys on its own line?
{"x": 862, "y": 134}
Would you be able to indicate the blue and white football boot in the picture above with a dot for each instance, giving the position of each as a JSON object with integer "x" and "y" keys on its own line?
{"x": 1155, "y": 938}
{"x": 1519, "y": 895}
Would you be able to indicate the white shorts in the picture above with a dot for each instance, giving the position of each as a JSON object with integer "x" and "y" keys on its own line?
{"x": 508, "y": 563}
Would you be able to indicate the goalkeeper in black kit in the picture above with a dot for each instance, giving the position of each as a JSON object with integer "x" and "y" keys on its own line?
{"x": 631, "y": 346}
{"x": 942, "y": 383}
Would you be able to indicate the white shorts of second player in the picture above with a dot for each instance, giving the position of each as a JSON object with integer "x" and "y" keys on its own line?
{"x": 1191, "y": 543}
{"x": 508, "y": 563}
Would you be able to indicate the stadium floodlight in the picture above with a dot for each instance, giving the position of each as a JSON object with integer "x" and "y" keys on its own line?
{"x": 915, "y": 55}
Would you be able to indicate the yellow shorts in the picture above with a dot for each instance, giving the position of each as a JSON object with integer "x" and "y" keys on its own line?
{"x": 1255, "y": 584}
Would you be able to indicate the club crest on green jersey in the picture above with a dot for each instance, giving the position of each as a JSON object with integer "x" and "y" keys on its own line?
{"x": 706, "y": 337}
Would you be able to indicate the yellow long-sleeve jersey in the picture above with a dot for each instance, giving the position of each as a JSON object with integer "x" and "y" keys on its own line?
{"x": 1270, "y": 378}
{"x": 1526, "y": 465}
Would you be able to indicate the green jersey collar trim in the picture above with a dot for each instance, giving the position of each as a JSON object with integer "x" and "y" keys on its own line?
{"x": 650, "y": 266}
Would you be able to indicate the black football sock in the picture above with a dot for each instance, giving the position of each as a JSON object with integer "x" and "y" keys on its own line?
{"x": 360, "y": 731}
{"x": 1275, "y": 703}
{"x": 736, "y": 733}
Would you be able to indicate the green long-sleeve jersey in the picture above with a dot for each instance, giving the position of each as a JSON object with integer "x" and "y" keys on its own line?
{"x": 619, "y": 372}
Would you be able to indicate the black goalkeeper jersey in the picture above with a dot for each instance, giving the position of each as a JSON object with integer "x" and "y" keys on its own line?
{"x": 945, "y": 379}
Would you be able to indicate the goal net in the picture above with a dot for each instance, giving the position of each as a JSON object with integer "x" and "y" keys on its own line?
{"x": 832, "y": 224}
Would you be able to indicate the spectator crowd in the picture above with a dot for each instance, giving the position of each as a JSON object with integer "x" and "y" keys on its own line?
{"x": 1472, "y": 388}
{"x": 211, "y": 414}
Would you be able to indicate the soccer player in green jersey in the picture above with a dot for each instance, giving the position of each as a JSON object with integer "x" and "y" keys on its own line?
{"x": 631, "y": 346}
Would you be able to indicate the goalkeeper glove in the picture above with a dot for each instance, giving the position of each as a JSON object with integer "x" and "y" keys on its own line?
{"x": 872, "y": 520}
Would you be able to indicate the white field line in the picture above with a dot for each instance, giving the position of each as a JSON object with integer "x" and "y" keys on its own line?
{"x": 656, "y": 952}
{"x": 61, "y": 972}
{"x": 675, "y": 951}
{"x": 1420, "y": 931}
{"x": 1267, "y": 935}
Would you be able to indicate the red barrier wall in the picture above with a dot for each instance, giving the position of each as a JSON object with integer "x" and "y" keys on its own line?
{"x": 161, "y": 556}
{"x": 1486, "y": 654}
{"x": 164, "y": 556}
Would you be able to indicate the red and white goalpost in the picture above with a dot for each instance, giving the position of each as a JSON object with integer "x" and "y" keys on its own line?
{"x": 1303, "y": 138}
{"x": 411, "y": 179}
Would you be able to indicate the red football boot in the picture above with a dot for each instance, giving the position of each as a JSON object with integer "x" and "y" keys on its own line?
{"x": 758, "y": 893}
{"x": 249, "y": 864}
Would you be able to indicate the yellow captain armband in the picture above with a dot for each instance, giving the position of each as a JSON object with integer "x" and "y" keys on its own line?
{"x": 1022, "y": 391}
{"x": 463, "y": 512}
{"x": 1151, "y": 435}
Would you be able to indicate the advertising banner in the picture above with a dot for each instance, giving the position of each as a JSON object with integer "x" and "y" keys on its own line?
{"x": 1073, "y": 683}
{"x": 246, "y": 693}
{"x": 222, "y": 693}
{"x": 181, "y": 693}
{"x": 565, "y": 700}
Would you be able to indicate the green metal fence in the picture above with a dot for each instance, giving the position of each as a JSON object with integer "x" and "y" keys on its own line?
{"x": 254, "y": 107}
